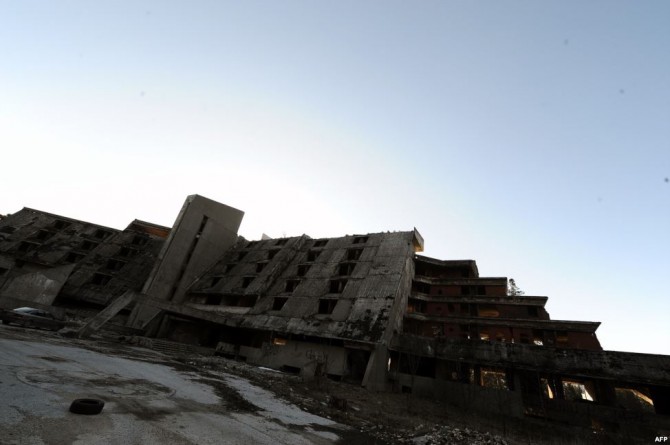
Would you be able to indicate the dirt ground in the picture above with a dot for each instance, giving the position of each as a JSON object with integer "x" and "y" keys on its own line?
{"x": 374, "y": 418}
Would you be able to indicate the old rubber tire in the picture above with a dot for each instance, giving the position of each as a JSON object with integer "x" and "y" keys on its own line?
{"x": 87, "y": 406}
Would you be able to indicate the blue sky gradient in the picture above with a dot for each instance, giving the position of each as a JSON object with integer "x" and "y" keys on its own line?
{"x": 530, "y": 136}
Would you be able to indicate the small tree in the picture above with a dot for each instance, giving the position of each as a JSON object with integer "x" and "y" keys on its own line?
{"x": 513, "y": 290}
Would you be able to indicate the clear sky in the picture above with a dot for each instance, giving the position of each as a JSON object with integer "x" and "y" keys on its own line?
{"x": 533, "y": 137}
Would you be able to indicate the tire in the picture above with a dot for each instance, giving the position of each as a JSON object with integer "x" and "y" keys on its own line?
{"x": 87, "y": 406}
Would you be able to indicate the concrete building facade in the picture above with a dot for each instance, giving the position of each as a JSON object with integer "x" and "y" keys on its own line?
{"x": 365, "y": 309}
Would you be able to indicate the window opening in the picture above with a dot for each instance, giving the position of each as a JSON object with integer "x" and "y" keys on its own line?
{"x": 100, "y": 279}
{"x": 354, "y": 254}
{"x": 326, "y": 306}
{"x": 337, "y": 286}
{"x": 302, "y": 269}
{"x": 291, "y": 285}
{"x": 278, "y": 303}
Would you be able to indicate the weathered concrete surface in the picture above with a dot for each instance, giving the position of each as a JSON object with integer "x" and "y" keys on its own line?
{"x": 146, "y": 403}
{"x": 40, "y": 287}
{"x": 203, "y": 229}
{"x": 107, "y": 314}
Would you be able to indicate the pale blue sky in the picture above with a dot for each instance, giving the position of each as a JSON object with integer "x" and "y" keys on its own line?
{"x": 533, "y": 137}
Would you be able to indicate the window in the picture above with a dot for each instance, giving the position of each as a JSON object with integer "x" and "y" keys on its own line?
{"x": 313, "y": 255}
{"x": 88, "y": 245}
{"x": 100, "y": 279}
{"x": 302, "y": 269}
{"x": 229, "y": 267}
{"x": 326, "y": 306}
{"x": 532, "y": 311}
{"x": 7, "y": 229}
{"x": 281, "y": 242}
{"x": 101, "y": 234}
{"x": 215, "y": 281}
{"x": 465, "y": 290}
{"x": 291, "y": 285}
{"x": 272, "y": 253}
{"x": 43, "y": 235}
{"x": 213, "y": 300}
{"x": 27, "y": 246}
{"x": 278, "y": 303}
{"x": 115, "y": 265}
{"x": 241, "y": 255}
{"x": 260, "y": 266}
{"x": 488, "y": 310}
{"x": 246, "y": 281}
{"x": 481, "y": 290}
{"x": 139, "y": 240}
{"x": 354, "y": 254}
{"x": 74, "y": 257}
{"x": 346, "y": 268}
{"x": 59, "y": 224}
{"x": 360, "y": 239}
{"x": 127, "y": 252}
{"x": 3, "y": 270}
{"x": 320, "y": 243}
{"x": 337, "y": 286}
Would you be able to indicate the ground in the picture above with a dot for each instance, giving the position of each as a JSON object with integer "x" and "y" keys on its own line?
{"x": 153, "y": 398}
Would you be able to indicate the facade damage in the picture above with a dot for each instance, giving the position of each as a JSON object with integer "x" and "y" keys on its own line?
{"x": 366, "y": 309}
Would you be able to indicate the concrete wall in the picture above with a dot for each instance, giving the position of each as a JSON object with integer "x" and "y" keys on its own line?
{"x": 203, "y": 230}
{"x": 39, "y": 287}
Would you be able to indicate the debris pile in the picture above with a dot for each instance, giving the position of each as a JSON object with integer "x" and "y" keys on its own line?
{"x": 442, "y": 435}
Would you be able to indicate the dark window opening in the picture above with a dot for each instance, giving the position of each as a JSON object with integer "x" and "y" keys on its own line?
{"x": 229, "y": 267}
{"x": 421, "y": 287}
{"x": 337, "y": 286}
{"x": 291, "y": 285}
{"x": 360, "y": 239}
{"x": 326, "y": 306}
{"x": 313, "y": 255}
{"x": 27, "y": 246}
{"x": 241, "y": 255}
{"x": 127, "y": 252}
{"x": 43, "y": 235}
{"x": 74, "y": 257}
{"x": 7, "y": 229}
{"x": 115, "y": 264}
{"x": 465, "y": 274}
{"x": 354, "y": 254}
{"x": 481, "y": 290}
{"x": 465, "y": 290}
{"x": 3, "y": 270}
{"x": 203, "y": 223}
{"x": 532, "y": 311}
{"x": 450, "y": 307}
{"x": 88, "y": 245}
{"x": 320, "y": 243}
{"x": 281, "y": 242}
{"x": 213, "y": 300}
{"x": 290, "y": 369}
{"x": 346, "y": 268}
{"x": 260, "y": 266}
{"x": 59, "y": 224}
{"x": 101, "y": 234}
{"x": 139, "y": 240}
{"x": 246, "y": 281}
{"x": 278, "y": 303}
{"x": 100, "y": 279}
{"x": 238, "y": 300}
{"x": 272, "y": 253}
{"x": 302, "y": 269}
{"x": 215, "y": 281}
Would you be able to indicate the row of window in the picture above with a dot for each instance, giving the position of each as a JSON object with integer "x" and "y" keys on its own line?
{"x": 467, "y": 309}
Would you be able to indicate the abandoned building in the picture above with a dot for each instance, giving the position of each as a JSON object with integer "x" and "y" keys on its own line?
{"x": 365, "y": 309}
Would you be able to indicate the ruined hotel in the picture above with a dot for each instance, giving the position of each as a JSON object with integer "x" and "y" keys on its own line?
{"x": 367, "y": 309}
